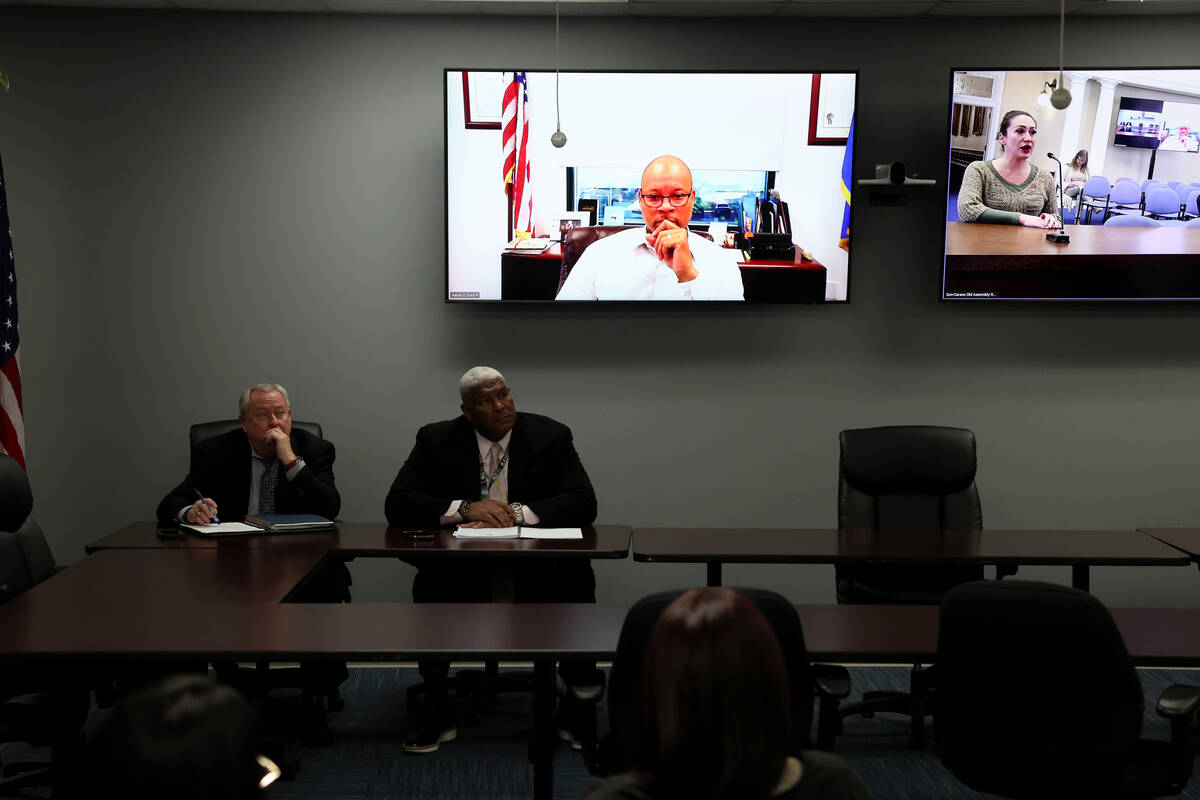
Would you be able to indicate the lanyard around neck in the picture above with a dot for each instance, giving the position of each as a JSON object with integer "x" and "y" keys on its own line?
{"x": 485, "y": 483}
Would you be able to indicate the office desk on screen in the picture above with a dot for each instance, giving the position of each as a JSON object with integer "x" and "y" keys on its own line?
{"x": 534, "y": 276}
{"x": 1099, "y": 261}
{"x": 1077, "y": 549}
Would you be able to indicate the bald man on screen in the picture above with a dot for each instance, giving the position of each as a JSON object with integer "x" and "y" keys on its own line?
{"x": 663, "y": 260}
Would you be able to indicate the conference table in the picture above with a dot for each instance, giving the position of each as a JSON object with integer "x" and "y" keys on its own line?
{"x": 138, "y": 596}
{"x": 1100, "y": 261}
{"x": 1185, "y": 539}
{"x": 1078, "y": 549}
{"x": 186, "y": 597}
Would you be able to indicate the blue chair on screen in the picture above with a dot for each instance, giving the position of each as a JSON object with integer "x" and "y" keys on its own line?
{"x": 1131, "y": 221}
{"x": 1093, "y": 197}
{"x": 1174, "y": 184}
{"x": 1125, "y": 198}
{"x": 1191, "y": 203}
{"x": 1162, "y": 203}
{"x": 1192, "y": 223}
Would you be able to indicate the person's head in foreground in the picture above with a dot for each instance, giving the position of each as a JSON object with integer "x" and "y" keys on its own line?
{"x": 186, "y": 737}
{"x": 715, "y": 719}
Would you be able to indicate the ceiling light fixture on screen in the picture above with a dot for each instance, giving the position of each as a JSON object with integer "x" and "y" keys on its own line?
{"x": 1060, "y": 98}
{"x": 558, "y": 138}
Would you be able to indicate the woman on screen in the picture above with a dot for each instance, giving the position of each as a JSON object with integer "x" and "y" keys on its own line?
{"x": 1009, "y": 190}
{"x": 1076, "y": 174}
{"x": 714, "y": 713}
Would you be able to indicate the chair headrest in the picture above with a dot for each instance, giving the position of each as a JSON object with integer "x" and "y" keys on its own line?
{"x": 16, "y": 498}
{"x": 908, "y": 459}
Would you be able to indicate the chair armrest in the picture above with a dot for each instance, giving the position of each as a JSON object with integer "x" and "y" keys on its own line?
{"x": 1178, "y": 701}
{"x": 831, "y": 680}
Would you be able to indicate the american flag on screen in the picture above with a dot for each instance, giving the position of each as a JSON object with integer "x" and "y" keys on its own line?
{"x": 514, "y": 125}
{"x": 12, "y": 425}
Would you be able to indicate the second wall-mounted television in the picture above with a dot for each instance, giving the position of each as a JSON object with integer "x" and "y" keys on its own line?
{"x": 766, "y": 208}
{"x": 1155, "y": 124}
{"x": 1121, "y": 244}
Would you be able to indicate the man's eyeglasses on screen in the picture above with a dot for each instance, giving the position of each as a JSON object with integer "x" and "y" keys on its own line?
{"x": 656, "y": 200}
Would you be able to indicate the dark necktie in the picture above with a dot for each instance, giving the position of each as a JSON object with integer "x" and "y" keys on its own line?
{"x": 266, "y": 488}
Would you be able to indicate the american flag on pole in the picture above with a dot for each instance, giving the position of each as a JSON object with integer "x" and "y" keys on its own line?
{"x": 12, "y": 425}
{"x": 514, "y": 125}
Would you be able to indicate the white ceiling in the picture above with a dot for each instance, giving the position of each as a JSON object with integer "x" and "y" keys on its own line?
{"x": 673, "y": 8}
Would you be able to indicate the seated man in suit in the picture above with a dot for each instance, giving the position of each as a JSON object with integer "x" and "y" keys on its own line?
{"x": 663, "y": 261}
{"x": 263, "y": 468}
{"x": 491, "y": 467}
{"x": 268, "y": 468}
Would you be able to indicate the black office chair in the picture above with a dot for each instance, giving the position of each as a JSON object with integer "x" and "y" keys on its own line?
{"x": 1038, "y": 698}
{"x": 617, "y": 750}
{"x": 905, "y": 477}
{"x": 38, "y": 707}
{"x": 206, "y": 430}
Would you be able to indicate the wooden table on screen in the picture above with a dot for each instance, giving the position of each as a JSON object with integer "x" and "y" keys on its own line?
{"x": 1099, "y": 261}
{"x": 1077, "y": 549}
{"x": 534, "y": 276}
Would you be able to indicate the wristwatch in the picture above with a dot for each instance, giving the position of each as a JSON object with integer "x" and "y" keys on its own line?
{"x": 463, "y": 508}
{"x": 519, "y": 510}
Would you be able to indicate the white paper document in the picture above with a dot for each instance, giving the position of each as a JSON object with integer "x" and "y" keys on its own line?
{"x": 222, "y": 528}
{"x": 551, "y": 533}
{"x": 522, "y": 533}
{"x": 487, "y": 533}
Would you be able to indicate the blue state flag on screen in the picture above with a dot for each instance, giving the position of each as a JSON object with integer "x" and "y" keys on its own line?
{"x": 847, "y": 178}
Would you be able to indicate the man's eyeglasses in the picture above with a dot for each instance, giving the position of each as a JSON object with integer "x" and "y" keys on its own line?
{"x": 656, "y": 200}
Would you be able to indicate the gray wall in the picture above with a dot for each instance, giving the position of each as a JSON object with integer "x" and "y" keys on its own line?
{"x": 200, "y": 201}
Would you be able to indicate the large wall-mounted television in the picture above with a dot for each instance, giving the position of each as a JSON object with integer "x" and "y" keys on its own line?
{"x": 769, "y": 156}
{"x": 1139, "y": 129}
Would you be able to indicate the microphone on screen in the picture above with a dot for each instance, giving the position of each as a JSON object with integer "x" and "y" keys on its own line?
{"x": 1060, "y": 236}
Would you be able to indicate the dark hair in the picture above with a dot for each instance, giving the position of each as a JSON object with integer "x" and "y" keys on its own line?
{"x": 1007, "y": 119}
{"x": 715, "y": 717}
{"x": 186, "y": 737}
{"x": 1076, "y": 162}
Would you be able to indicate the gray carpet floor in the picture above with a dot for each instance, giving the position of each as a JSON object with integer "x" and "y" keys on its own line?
{"x": 489, "y": 760}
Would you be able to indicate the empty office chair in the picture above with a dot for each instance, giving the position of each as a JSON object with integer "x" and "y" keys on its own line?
{"x": 906, "y": 477}
{"x": 1131, "y": 221}
{"x": 1174, "y": 184}
{"x": 1038, "y": 698}
{"x": 1192, "y": 223}
{"x": 1125, "y": 198}
{"x": 617, "y": 751}
{"x": 40, "y": 705}
{"x": 1094, "y": 197}
{"x": 1162, "y": 203}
